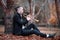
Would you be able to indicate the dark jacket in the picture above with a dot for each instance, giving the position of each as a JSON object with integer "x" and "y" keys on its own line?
{"x": 18, "y": 21}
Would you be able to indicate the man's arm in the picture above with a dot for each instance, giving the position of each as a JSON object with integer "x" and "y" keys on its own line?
{"x": 18, "y": 20}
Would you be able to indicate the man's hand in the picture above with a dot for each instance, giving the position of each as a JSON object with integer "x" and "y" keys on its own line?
{"x": 29, "y": 17}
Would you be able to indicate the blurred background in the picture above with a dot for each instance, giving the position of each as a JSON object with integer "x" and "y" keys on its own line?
{"x": 47, "y": 12}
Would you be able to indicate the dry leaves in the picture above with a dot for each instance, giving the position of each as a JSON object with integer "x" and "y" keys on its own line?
{"x": 31, "y": 37}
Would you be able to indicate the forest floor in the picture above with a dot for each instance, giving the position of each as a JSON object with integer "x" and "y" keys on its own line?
{"x": 46, "y": 30}
{"x": 31, "y": 37}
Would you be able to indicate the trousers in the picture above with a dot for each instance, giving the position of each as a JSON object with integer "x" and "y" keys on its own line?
{"x": 32, "y": 29}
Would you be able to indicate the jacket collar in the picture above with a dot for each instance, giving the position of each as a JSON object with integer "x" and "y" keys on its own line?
{"x": 18, "y": 14}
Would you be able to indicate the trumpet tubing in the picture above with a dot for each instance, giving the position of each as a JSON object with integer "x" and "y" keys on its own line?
{"x": 36, "y": 20}
{"x": 33, "y": 19}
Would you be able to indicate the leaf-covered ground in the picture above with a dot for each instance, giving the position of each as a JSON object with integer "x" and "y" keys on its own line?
{"x": 31, "y": 37}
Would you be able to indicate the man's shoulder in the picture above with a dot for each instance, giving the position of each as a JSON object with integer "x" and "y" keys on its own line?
{"x": 15, "y": 16}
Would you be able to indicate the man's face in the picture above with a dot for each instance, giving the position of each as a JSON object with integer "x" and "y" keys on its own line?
{"x": 20, "y": 10}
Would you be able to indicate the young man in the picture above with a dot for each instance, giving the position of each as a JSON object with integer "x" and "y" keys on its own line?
{"x": 19, "y": 21}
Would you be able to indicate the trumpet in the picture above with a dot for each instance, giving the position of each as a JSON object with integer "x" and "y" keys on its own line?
{"x": 30, "y": 17}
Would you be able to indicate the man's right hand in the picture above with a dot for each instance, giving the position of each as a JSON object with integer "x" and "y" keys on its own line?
{"x": 29, "y": 18}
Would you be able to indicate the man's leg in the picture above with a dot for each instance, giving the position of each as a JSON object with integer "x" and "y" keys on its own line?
{"x": 36, "y": 31}
{"x": 26, "y": 32}
{"x": 42, "y": 34}
{"x": 32, "y": 26}
{"x": 30, "y": 32}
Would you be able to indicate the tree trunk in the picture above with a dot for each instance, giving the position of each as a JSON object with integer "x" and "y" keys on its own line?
{"x": 8, "y": 20}
{"x": 53, "y": 12}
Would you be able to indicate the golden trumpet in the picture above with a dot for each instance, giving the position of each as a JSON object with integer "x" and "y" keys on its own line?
{"x": 25, "y": 15}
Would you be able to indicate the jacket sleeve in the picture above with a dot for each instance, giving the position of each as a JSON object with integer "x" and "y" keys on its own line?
{"x": 18, "y": 20}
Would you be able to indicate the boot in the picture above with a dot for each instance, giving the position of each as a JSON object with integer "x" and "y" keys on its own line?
{"x": 51, "y": 35}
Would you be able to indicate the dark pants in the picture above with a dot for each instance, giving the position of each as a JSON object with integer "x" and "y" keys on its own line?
{"x": 32, "y": 29}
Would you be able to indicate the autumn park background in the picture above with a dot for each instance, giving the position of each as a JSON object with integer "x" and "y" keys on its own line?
{"x": 47, "y": 12}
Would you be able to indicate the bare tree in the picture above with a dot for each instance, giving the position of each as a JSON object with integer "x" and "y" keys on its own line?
{"x": 7, "y": 7}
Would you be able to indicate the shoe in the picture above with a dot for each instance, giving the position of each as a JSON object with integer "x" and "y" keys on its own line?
{"x": 51, "y": 35}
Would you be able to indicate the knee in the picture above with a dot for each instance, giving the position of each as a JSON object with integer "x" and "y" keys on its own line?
{"x": 34, "y": 31}
{"x": 32, "y": 25}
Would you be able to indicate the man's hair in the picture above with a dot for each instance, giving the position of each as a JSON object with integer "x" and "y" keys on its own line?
{"x": 17, "y": 8}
